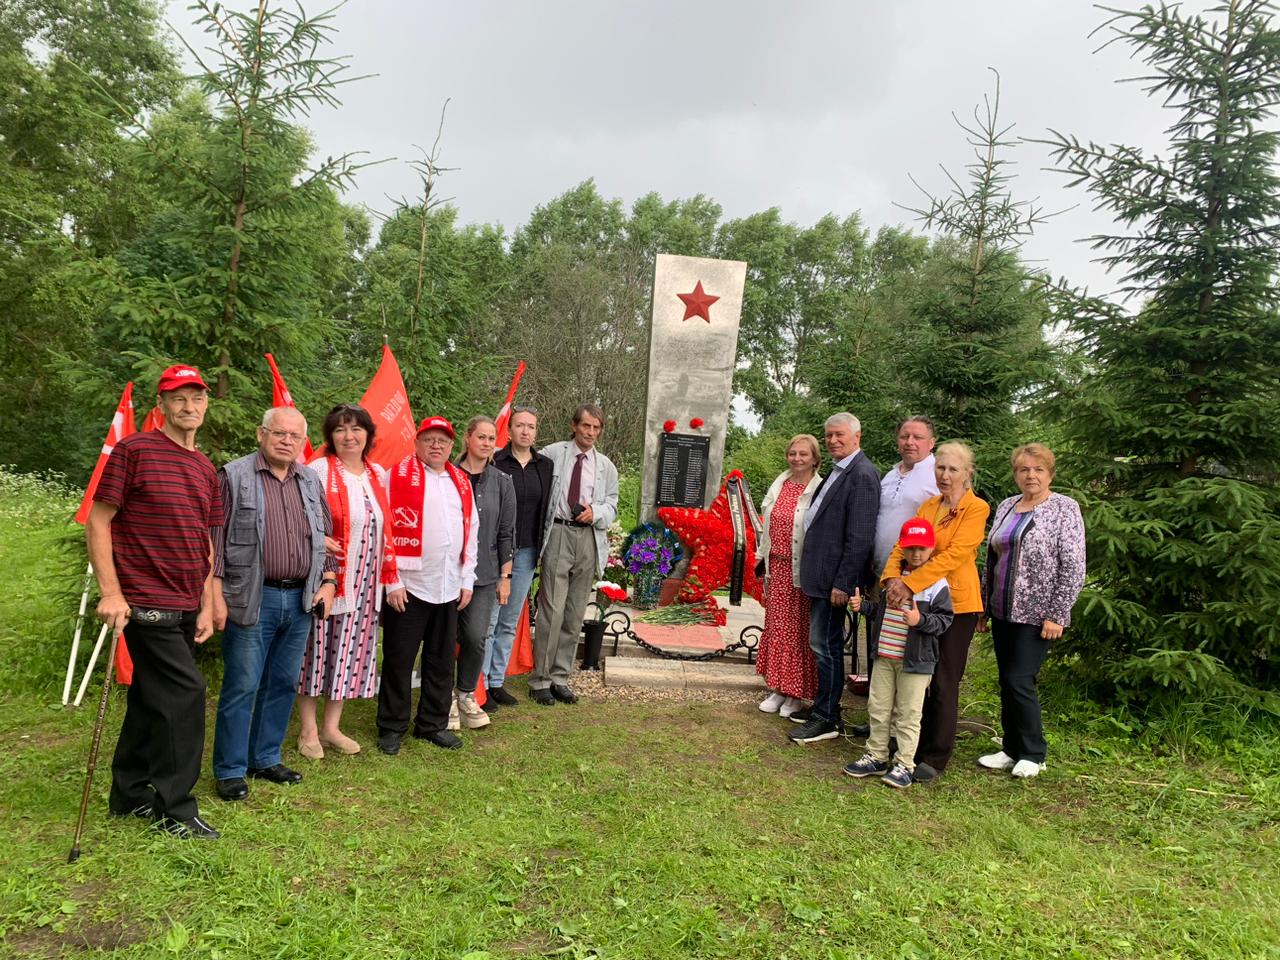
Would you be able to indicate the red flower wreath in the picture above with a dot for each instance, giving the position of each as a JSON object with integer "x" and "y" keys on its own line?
{"x": 709, "y": 536}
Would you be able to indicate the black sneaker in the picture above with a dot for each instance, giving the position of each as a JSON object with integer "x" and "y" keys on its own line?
{"x": 389, "y": 743}
{"x": 899, "y": 777}
{"x": 490, "y": 705}
{"x": 816, "y": 730}
{"x": 502, "y": 696}
{"x": 868, "y": 766}
{"x": 801, "y": 715}
{"x": 142, "y": 811}
{"x": 191, "y": 829}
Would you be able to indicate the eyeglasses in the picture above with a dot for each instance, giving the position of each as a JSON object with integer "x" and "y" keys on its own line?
{"x": 285, "y": 435}
{"x": 436, "y": 441}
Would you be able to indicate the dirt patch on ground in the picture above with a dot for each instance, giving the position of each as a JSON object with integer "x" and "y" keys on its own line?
{"x": 48, "y": 942}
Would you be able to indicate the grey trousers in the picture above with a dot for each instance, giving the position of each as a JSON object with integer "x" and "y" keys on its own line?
{"x": 568, "y": 574}
{"x": 473, "y": 625}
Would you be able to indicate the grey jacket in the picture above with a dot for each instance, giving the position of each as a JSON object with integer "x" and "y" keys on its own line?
{"x": 496, "y": 537}
{"x": 242, "y": 546}
{"x": 936, "y": 614}
{"x": 1048, "y": 564}
{"x": 604, "y": 497}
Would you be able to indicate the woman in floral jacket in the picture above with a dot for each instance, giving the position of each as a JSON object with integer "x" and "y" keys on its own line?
{"x": 1033, "y": 574}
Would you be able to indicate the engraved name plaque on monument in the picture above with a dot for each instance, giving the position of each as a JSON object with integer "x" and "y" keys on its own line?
{"x": 682, "y": 470}
{"x": 693, "y": 347}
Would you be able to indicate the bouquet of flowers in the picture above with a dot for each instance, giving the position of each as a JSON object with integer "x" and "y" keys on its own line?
{"x": 607, "y": 593}
{"x": 650, "y": 552}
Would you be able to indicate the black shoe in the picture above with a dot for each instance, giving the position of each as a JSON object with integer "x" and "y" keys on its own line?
{"x": 232, "y": 788}
{"x": 389, "y": 743}
{"x": 563, "y": 693}
{"x": 500, "y": 695}
{"x": 862, "y": 730}
{"x": 543, "y": 697}
{"x": 190, "y": 829}
{"x": 801, "y": 715}
{"x": 276, "y": 774}
{"x": 143, "y": 811}
{"x": 923, "y": 773}
{"x": 816, "y": 730}
{"x": 446, "y": 739}
{"x": 490, "y": 705}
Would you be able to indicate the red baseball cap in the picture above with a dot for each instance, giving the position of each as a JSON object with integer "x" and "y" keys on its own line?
{"x": 437, "y": 423}
{"x": 916, "y": 532}
{"x": 179, "y": 376}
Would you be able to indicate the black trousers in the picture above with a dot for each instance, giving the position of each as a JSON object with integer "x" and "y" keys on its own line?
{"x": 161, "y": 745}
{"x": 1020, "y": 653}
{"x": 431, "y": 628}
{"x": 942, "y": 701}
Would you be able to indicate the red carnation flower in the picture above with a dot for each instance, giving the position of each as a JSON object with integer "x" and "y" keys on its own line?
{"x": 696, "y": 423}
{"x": 668, "y": 426}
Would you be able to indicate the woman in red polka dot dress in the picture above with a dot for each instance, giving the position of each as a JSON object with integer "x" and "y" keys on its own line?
{"x": 784, "y": 658}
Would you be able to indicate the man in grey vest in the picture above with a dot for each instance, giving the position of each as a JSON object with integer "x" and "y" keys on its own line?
{"x": 270, "y": 572}
{"x": 584, "y": 502}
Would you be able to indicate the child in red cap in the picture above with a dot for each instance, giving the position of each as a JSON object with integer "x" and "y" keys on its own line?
{"x": 905, "y": 640}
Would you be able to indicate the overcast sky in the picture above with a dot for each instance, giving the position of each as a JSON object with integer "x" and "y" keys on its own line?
{"x": 811, "y": 107}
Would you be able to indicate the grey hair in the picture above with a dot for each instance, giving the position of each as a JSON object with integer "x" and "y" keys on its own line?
{"x": 269, "y": 417}
{"x": 844, "y": 419}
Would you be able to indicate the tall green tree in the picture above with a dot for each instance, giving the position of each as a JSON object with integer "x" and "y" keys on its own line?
{"x": 979, "y": 336}
{"x": 1174, "y": 425}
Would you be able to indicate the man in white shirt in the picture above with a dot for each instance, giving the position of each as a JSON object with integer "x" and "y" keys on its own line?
{"x": 906, "y": 485}
{"x": 584, "y": 502}
{"x": 434, "y": 533}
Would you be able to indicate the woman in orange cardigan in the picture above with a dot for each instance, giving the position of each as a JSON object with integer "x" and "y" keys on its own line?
{"x": 959, "y": 519}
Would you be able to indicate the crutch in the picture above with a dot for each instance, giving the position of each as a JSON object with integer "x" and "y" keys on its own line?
{"x": 75, "y": 641}
{"x": 93, "y": 746}
{"x": 93, "y": 662}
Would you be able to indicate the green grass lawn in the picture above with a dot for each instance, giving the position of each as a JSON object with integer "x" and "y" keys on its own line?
{"x": 625, "y": 830}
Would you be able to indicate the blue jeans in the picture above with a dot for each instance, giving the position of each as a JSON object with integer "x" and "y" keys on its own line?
{"x": 826, "y": 640}
{"x": 504, "y": 620}
{"x": 261, "y": 665}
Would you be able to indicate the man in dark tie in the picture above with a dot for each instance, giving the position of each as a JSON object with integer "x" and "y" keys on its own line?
{"x": 584, "y": 502}
{"x": 840, "y": 533}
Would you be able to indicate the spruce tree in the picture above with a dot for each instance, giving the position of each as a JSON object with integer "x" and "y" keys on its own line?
{"x": 1172, "y": 428}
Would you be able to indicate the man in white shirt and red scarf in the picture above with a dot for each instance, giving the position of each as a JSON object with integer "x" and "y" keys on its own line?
{"x": 434, "y": 533}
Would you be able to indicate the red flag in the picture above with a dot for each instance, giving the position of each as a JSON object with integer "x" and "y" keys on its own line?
{"x": 154, "y": 420}
{"x": 121, "y": 427}
{"x": 387, "y": 401}
{"x": 280, "y": 397}
{"x": 504, "y": 415}
{"x": 522, "y": 647}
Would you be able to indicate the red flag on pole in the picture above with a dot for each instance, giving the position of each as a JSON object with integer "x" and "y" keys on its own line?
{"x": 121, "y": 427}
{"x": 387, "y": 401}
{"x": 504, "y": 415}
{"x": 154, "y": 420}
{"x": 280, "y": 397}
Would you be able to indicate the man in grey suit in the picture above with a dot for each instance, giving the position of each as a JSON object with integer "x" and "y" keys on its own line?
{"x": 584, "y": 502}
{"x": 840, "y": 533}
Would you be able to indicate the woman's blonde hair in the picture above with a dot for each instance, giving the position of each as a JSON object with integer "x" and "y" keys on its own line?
{"x": 1035, "y": 451}
{"x": 812, "y": 441}
{"x": 964, "y": 453}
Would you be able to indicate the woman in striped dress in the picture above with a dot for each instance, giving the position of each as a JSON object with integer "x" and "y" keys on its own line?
{"x": 341, "y": 657}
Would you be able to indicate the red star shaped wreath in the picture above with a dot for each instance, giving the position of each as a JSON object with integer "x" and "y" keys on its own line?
{"x": 708, "y": 535}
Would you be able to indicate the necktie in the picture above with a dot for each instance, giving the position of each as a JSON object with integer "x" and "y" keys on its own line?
{"x": 575, "y": 482}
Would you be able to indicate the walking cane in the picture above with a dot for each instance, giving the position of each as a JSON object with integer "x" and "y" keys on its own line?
{"x": 93, "y": 747}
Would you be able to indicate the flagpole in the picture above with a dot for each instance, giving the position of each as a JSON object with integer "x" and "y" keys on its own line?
{"x": 93, "y": 659}
{"x": 75, "y": 641}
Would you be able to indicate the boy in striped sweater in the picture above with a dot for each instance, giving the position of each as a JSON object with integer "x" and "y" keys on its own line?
{"x": 906, "y": 646}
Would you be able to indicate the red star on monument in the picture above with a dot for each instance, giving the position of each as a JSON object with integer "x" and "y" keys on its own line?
{"x": 696, "y": 304}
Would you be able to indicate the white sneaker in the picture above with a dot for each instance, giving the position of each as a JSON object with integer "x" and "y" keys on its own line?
{"x": 472, "y": 716}
{"x": 454, "y": 722}
{"x": 790, "y": 706}
{"x": 996, "y": 761}
{"x": 772, "y": 702}
{"x": 1027, "y": 769}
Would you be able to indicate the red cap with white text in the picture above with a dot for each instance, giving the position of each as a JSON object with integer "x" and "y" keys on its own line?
{"x": 179, "y": 376}
{"x": 916, "y": 532}
{"x": 436, "y": 423}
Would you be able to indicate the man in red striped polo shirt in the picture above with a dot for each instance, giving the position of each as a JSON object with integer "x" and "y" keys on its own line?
{"x": 149, "y": 543}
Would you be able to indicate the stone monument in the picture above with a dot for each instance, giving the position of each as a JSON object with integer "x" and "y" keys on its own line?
{"x": 693, "y": 347}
